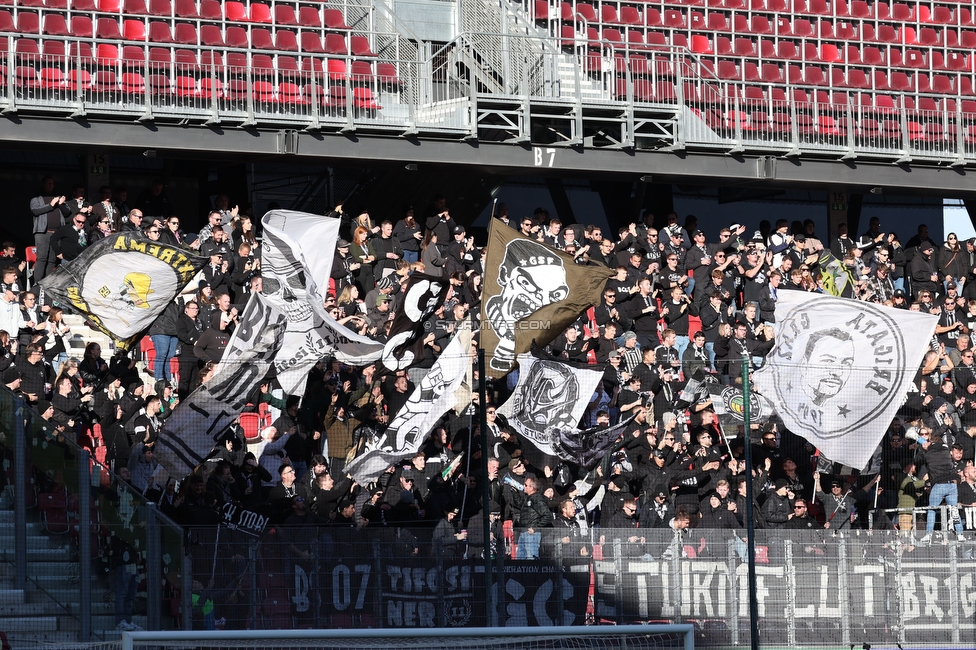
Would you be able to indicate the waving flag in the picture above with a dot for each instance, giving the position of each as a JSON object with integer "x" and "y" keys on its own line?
{"x": 840, "y": 369}
{"x": 296, "y": 261}
{"x": 411, "y": 323}
{"x": 122, "y": 283}
{"x": 430, "y": 400}
{"x": 549, "y": 401}
{"x": 531, "y": 293}
{"x": 189, "y": 434}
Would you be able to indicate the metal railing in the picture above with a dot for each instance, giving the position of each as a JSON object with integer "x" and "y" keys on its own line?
{"x": 815, "y": 588}
{"x": 447, "y": 91}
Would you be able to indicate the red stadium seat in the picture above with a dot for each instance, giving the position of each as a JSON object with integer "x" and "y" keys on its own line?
{"x": 608, "y": 14}
{"x": 386, "y": 74}
{"x": 210, "y": 35}
{"x": 186, "y": 34}
{"x": 262, "y": 65}
{"x": 105, "y": 82}
{"x": 81, "y": 51}
{"x": 334, "y": 19}
{"x": 760, "y": 25}
{"x": 744, "y": 47}
{"x": 108, "y": 28}
{"x": 236, "y": 37}
{"x": 336, "y": 44}
{"x": 942, "y": 85}
{"x": 51, "y": 48}
{"x": 159, "y": 84}
{"x": 259, "y": 12}
{"x": 360, "y": 46}
{"x": 28, "y": 22}
{"x": 186, "y": 9}
{"x": 160, "y": 58}
{"x": 727, "y": 70}
{"x": 587, "y": 12}
{"x": 235, "y": 11}
{"x": 78, "y": 80}
{"x": 336, "y": 69}
{"x": 211, "y": 88}
{"x": 186, "y": 87}
{"x": 135, "y": 8}
{"x": 159, "y": 32}
{"x": 134, "y": 30}
{"x": 107, "y": 54}
{"x": 309, "y": 17}
{"x": 52, "y": 78}
{"x": 28, "y": 47}
{"x": 880, "y": 80}
{"x": 133, "y": 83}
{"x": 772, "y": 73}
{"x": 872, "y": 56}
{"x": 211, "y": 10}
{"x": 133, "y": 57}
{"x": 55, "y": 25}
{"x": 311, "y": 43}
{"x": 160, "y": 8}
{"x": 716, "y": 22}
{"x": 286, "y": 41}
{"x": 631, "y": 16}
{"x": 261, "y": 39}
{"x": 284, "y": 15}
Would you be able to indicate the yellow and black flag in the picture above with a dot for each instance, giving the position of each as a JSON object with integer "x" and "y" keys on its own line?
{"x": 532, "y": 292}
{"x": 122, "y": 283}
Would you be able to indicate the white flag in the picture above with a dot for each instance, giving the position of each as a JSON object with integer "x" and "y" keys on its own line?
{"x": 550, "y": 397}
{"x": 841, "y": 369}
{"x": 189, "y": 434}
{"x": 296, "y": 262}
{"x": 427, "y": 403}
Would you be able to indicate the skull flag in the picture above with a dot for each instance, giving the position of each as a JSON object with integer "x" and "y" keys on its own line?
{"x": 122, "y": 283}
{"x": 423, "y": 295}
{"x": 532, "y": 292}
{"x": 549, "y": 401}
{"x": 296, "y": 261}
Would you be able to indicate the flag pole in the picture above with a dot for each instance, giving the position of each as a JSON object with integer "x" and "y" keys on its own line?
{"x": 750, "y": 525}
{"x": 485, "y": 492}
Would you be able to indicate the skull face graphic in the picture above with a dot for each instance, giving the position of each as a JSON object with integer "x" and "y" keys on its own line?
{"x": 283, "y": 279}
{"x": 531, "y": 276}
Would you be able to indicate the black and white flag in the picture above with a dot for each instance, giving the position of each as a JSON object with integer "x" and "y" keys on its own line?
{"x": 840, "y": 370}
{"x": 430, "y": 400}
{"x": 189, "y": 434}
{"x": 549, "y": 399}
{"x": 122, "y": 283}
{"x": 296, "y": 262}
{"x": 411, "y": 323}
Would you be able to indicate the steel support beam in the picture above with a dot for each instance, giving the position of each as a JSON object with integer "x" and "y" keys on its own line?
{"x": 690, "y": 167}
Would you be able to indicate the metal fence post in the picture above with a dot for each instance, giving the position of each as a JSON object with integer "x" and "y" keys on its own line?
{"x": 21, "y": 484}
{"x": 186, "y": 591}
{"x": 791, "y": 591}
{"x": 154, "y": 564}
{"x": 84, "y": 544}
{"x": 842, "y": 590}
{"x": 252, "y": 563}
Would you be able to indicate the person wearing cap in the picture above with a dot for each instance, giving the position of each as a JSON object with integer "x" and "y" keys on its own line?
{"x": 344, "y": 266}
{"x": 838, "y": 505}
{"x": 778, "y": 506}
{"x": 880, "y": 287}
{"x": 460, "y": 252}
{"x": 922, "y": 270}
{"x": 698, "y": 259}
{"x": 658, "y": 510}
{"x": 381, "y": 313}
{"x": 731, "y": 346}
{"x": 446, "y": 539}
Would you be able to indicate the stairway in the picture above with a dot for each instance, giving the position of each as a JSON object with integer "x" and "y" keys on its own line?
{"x": 34, "y": 616}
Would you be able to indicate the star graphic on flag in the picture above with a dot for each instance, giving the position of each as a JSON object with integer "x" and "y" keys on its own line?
{"x": 789, "y": 387}
{"x": 843, "y": 410}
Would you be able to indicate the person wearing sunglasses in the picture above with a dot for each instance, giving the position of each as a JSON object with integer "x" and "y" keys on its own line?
{"x": 70, "y": 239}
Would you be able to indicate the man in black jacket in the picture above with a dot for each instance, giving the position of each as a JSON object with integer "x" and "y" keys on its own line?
{"x": 534, "y": 515}
{"x": 944, "y": 480}
{"x": 69, "y": 240}
{"x": 188, "y": 330}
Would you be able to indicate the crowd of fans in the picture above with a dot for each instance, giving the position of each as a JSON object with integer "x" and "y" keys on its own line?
{"x": 680, "y": 301}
